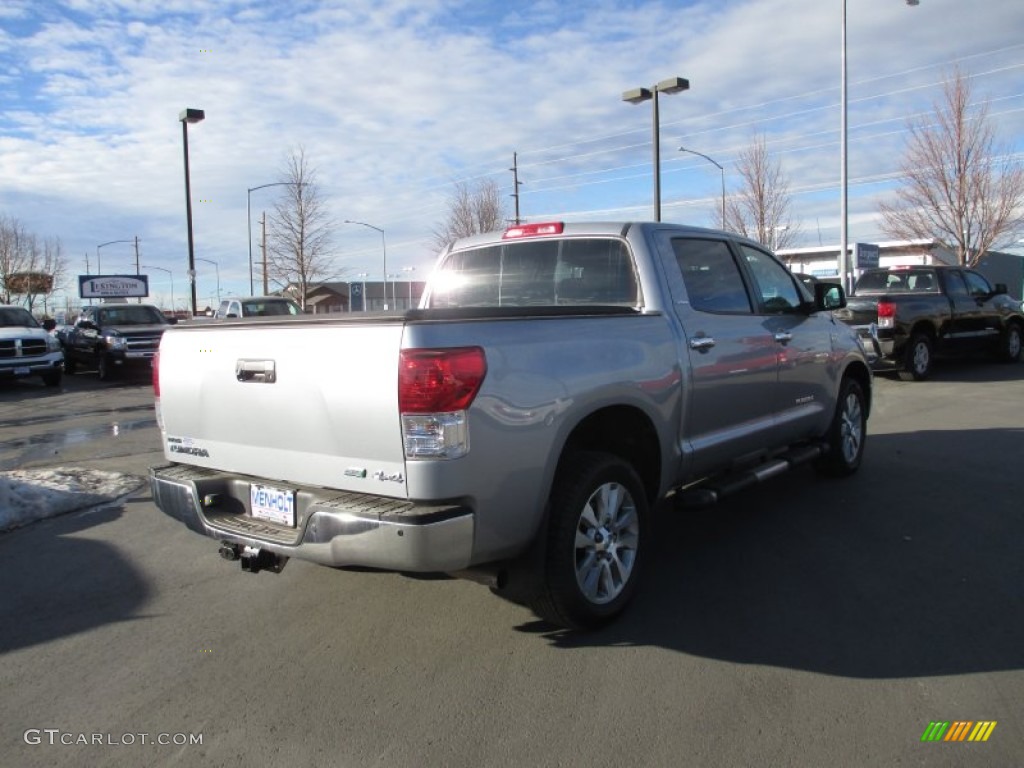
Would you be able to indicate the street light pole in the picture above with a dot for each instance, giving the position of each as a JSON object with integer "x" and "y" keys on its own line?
{"x": 248, "y": 216}
{"x": 100, "y": 271}
{"x": 843, "y": 181}
{"x": 720, "y": 168}
{"x": 638, "y": 95}
{"x": 384, "y": 248}
{"x": 409, "y": 269}
{"x": 171, "y": 275}
{"x": 217, "y": 268}
{"x": 187, "y": 116}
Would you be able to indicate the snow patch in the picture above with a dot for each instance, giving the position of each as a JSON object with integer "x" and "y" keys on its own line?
{"x": 27, "y": 495}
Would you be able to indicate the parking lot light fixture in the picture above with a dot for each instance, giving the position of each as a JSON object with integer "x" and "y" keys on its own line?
{"x": 187, "y": 116}
{"x": 844, "y": 259}
{"x": 248, "y": 216}
{"x": 384, "y": 248}
{"x": 640, "y": 95}
{"x": 170, "y": 275}
{"x": 216, "y": 266}
{"x": 720, "y": 168}
{"x": 111, "y": 242}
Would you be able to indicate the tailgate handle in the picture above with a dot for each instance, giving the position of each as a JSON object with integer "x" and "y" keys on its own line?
{"x": 256, "y": 371}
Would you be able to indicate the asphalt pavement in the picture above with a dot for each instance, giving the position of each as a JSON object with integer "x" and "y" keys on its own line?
{"x": 807, "y": 622}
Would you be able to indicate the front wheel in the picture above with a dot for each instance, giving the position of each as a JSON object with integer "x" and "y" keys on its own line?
{"x": 596, "y": 532}
{"x": 917, "y": 359}
{"x": 847, "y": 433}
{"x": 70, "y": 366}
{"x": 104, "y": 369}
{"x": 52, "y": 378}
{"x": 1010, "y": 345}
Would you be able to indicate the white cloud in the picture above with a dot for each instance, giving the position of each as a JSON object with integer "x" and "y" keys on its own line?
{"x": 393, "y": 101}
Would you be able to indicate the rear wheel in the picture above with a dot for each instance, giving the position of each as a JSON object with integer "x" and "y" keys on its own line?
{"x": 597, "y": 526}
{"x": 917, "y": 359}
{"x": 846, "y": 435}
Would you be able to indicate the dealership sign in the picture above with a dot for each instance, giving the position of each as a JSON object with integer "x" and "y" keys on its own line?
{"x": 29, "y": 282}
{"x": 113, "y": 286}
{"x": 865, "y": 256}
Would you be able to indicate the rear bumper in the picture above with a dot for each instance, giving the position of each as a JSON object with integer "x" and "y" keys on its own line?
{"x": 877, "y": 348}
{"x": 333, "y": 528}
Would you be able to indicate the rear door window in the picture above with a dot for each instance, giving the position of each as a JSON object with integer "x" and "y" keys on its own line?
{"x": 711, "y": 276}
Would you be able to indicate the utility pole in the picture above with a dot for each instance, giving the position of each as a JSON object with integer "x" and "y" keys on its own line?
{"x": 263, "y": 245}
{"x": 138, "y": 300}
{"x": 515, "y": 184}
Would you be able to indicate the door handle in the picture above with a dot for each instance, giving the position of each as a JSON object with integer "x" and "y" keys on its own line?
{"x": 702, "y": 343}
{"x": 783, "y": 337}
{"x": 256, "y": 371}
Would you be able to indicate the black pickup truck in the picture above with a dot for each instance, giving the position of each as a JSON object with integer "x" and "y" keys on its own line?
{"x": 905, "y": 316}
{"x": 114, "y": 337}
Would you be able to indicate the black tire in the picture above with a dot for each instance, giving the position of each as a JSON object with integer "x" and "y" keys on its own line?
{"x": 597, "y": 528}
{"x": 104, "y": 368}
{"x": 847, "y": 433}
{"x": 1010, "y": 344}
{"x": 70, "y": 366}
{"x": 52, "y": 378}
{"x": 917, "y": 359}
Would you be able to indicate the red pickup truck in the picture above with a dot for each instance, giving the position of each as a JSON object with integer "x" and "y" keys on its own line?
{"x": 905, "y": 316}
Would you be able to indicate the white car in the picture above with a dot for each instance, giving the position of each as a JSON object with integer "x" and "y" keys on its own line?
{"x": 256, "y": 306}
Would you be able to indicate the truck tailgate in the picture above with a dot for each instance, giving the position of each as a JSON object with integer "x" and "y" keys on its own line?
{"x": 313, "y": 402}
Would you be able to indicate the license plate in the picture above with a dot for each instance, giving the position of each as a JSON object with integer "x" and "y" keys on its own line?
{"x": 22, "y": 371}
{"x": 275, "y": 505}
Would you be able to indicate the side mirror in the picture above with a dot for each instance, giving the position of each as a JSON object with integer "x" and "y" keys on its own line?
{"x": 1000, "y": 288}
{"x": 49, "y": 324}
{"x": 829, "y": 296}
{"x": 172, "y": 320}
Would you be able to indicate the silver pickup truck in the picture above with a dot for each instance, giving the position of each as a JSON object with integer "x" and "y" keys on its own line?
{"x": 556, "y": 383}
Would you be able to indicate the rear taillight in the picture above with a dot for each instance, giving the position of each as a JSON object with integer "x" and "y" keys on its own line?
{"x": 435, "y": 387}
{"x": 439, "y": 380}
{"x": 156, "y": 374}
{"x": 886, "y": 314}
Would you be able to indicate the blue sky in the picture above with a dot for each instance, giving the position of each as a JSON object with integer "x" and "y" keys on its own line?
{"x": 396, "y": 100}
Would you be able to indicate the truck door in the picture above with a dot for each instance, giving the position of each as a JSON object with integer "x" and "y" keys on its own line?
{"x": 983, "y": 327}
{"x": 805, "y": 398}
{"x": 730, "y": 394}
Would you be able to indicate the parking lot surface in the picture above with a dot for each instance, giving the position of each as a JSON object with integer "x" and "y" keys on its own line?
{"x": 806, "y": 622}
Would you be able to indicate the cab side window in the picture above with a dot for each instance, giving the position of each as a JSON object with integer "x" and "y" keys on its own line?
{"x": 775, "y": 283}
{"x": 711, "y": 276}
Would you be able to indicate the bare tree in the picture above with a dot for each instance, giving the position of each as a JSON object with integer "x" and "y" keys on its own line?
{"x": 760, "y": 208}
{"x": 961, "y": 189}
{"x": 472, "y": 210}
{"x": 29, "y": 266}
{"x": 299, "y": 252}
